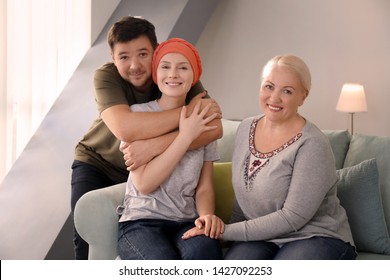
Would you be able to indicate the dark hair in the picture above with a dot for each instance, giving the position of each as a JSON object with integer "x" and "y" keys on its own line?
{"x": 129, "y": 28}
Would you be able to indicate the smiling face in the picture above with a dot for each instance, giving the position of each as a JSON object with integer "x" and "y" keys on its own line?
{"x": 133, "y": 60}
{"x": 174, "y": 76}
{"x": 281, "y": 93}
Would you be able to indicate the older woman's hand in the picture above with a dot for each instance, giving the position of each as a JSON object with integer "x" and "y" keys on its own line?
{"x": 208, "y": 225}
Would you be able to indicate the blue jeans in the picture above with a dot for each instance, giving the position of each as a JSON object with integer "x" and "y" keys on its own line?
{"x": 315, "y": 248}
{"x": 153, "y": 239}
{"x": 85, "y": 178}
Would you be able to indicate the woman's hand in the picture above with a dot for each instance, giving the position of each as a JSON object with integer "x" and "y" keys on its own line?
{"x": 196, "y": 123}
{"x": 208, "y": 225}
{"x": 214, "y": 106}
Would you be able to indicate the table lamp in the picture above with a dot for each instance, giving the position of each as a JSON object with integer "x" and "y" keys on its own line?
{"x": 352, "y": 100}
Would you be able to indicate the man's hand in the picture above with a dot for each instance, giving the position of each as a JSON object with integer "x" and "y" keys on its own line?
{"x": 214, "y": 107}
{"x": 136, "y": 153}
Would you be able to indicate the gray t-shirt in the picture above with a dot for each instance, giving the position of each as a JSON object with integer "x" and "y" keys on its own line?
{"x": 286, "y": 194}
{"x": 175, "y": 198}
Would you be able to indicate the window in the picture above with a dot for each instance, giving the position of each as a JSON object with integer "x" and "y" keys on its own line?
{"x": 42, "y": 42}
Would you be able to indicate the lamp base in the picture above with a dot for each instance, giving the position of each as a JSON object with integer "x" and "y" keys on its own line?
{"x": 351, "y": 127}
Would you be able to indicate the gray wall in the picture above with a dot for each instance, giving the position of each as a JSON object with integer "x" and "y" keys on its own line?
{"x": 341, "y": 41}
{"x": 101, "y": 11}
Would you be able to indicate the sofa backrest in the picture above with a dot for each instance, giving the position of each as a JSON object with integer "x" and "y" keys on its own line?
{"x": 226, "y": 143}
{"x": 364, "y": 147}
{"x": 339, "y": 140}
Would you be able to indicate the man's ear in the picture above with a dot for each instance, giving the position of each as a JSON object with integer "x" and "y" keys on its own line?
{"x": 112, "y": 56}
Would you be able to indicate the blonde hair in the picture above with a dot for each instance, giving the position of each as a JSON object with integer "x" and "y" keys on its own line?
{"x": 293, "y": 63}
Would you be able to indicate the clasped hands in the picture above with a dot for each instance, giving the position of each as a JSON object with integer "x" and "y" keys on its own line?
{"x": 208, "y": 225}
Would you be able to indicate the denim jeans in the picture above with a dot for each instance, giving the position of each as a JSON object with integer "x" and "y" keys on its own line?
{"x": 85, "y": 178}
{"x": 315, "y": 248}
{"x": 153, "y": 239}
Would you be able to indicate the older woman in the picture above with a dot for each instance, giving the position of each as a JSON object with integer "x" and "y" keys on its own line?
{"x": 284, "y": 178}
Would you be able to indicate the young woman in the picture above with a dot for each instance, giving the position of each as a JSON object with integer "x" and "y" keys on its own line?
{"x": 165, "y": 196}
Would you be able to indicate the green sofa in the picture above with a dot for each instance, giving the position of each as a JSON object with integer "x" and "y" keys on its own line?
{"x": 363, "y": 164}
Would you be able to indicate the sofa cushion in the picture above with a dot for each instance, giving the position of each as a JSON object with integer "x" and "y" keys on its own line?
{"x": 363, "y": 147}
{"x": 224, "y": 193}
{"x": 339, "y": 140}
{"x": 359, "y": 193}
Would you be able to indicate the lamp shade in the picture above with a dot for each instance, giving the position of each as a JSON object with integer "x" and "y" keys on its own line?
{"x": 352, "y": 99}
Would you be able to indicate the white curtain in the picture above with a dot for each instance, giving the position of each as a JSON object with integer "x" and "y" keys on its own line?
{"x": 45, "y": 41}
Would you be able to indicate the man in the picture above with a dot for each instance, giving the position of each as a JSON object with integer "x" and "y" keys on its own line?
{"x": 125, "y": 81}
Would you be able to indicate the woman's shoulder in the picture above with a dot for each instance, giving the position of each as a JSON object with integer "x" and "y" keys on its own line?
{"x": 316, "y": 143}
{"x": 312, "y": 131}
{"x": 151, "y": 106}
{"x": 246, "y": 123}
{"x": 249, "y": 120}
{"x": 311, "y": 128}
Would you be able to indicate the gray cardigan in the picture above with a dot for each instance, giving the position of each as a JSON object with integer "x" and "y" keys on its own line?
{"x": 289, "y": 194}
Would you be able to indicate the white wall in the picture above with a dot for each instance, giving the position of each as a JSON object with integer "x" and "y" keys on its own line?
{"x": 340, "y": 40}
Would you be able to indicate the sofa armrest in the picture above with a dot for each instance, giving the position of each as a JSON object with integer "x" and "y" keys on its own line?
{"x": 96, "y": 220}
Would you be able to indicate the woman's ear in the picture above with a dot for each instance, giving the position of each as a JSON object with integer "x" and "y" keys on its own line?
{"x": 305, "y": 93}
